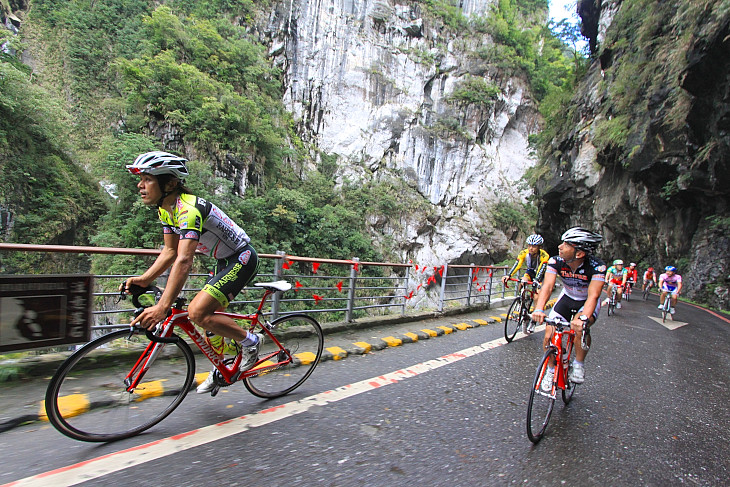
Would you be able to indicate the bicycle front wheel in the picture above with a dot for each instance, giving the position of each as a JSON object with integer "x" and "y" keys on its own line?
{"x": 569, "y": 387}
{"x": 513, "y": 320}
{"x": 89, "y": 399}
{"x": 540, "y": 405}
{"x": 287, "y": 366}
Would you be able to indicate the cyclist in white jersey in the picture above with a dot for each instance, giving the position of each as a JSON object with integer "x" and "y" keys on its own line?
{"x": 191, "y": 224}
{"x": 579, "y": 302}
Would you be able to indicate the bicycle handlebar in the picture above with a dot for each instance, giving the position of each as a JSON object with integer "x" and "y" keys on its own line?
{"x": 560, "y": 324}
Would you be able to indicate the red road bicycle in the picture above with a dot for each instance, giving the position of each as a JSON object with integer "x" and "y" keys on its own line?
{"x": 518, "y": 314}
{"x": 560, "y": 350}
{"x": 125, "y": 382}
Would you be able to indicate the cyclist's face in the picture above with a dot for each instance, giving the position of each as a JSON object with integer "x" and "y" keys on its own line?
{"x": 670, "y": 273}
{"x": 533, "y": 249}
{"x": 566, "y": 251}
{"x": 149, "y": 189}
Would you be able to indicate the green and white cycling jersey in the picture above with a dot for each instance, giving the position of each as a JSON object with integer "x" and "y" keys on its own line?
{"x": 195, "y": 218}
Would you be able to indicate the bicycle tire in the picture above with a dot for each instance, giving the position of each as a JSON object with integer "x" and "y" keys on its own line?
{"x": 646, "y": 293}
{"x": 303, "y": 341}
{"x": 87, "y": 398}
{"x": 537, "y": 422}
{"x": 514, "y": 317}
{"x": 569, "y": 386}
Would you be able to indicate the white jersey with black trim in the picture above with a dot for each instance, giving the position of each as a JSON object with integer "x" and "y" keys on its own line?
{"x": 576, "y": 283}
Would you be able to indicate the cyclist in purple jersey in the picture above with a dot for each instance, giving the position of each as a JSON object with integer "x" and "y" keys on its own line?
{"x": 583, "y": 276}
{"x": 670, "y": 282}
{"x": 191, "y": 223}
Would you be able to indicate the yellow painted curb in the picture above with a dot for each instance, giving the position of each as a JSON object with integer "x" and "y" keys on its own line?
{"x": 393, "y": 341}
{"x": 337, "y": 352}
{"x": 69, "y": 406}
{"x": 430, "y": 332}
{"x": 412, "y": 336}
{"x": 199, "y": 378}
{"x": 305, "y": 358}
{"x": 503, "y": 315}
{"x": 446, "y": 329}
{"x": 462, "y": 326}
{"x": 481, "y": 322}
{"x": 364, "y": 345}
{"x": 496, "y": 318}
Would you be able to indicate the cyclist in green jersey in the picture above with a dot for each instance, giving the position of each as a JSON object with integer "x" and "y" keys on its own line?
{"x": 190, "y": 224}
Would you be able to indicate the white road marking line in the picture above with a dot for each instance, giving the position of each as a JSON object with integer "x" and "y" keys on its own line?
{"x": 114, "y": 462}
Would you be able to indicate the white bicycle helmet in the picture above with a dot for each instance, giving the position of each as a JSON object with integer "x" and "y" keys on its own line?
{"x": 618, "y": 262}
{"x": 582, "y": 239}
{"x": 157, "y": 163}
{"x": 535, "y": 239}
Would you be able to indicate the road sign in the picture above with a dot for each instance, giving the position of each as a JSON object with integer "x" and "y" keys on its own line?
{"x": 44, "y": 311}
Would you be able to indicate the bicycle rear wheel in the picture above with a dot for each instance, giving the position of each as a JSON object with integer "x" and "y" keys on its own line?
{"x": 513, "y": 321}
{"x": 87, "y": 398}
{"x": 288, "y": 366}
{"x": 540, "y": 405}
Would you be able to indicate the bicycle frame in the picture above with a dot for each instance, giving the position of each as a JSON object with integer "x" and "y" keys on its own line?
{"x": 230, "y": 373}
{"x": 562, "y": 355}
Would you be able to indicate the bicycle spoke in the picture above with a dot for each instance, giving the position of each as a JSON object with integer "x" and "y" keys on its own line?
{"x": 88, "y": 400}
{"x": 283, "y": 369}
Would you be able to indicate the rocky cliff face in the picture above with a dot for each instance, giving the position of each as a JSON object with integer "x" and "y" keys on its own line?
{"x": 644, "y": 158}
{"x": 369, "y": 81}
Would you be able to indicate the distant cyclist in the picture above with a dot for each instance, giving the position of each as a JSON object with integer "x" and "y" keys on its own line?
{"x": 649, "y": 279}
{"x": 670, "y": 282}
{"x": 632, "y": 277}
{"x": 616, "y": 277}
{"x": 579, "y": 302}
{"x": 533, "y": 258}
{"x": 190, "y": 223}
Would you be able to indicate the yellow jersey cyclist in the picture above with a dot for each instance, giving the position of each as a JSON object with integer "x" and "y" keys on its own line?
{"x": 190, "y": 224}
{"x": 533, "y": 258}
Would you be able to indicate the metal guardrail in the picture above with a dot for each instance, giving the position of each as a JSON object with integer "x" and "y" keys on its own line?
{"x": 336, "y": 295}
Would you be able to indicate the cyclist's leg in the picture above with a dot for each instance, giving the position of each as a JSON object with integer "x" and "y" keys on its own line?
{"x": 232, "y": 275}
{"x": 564, "y": 309}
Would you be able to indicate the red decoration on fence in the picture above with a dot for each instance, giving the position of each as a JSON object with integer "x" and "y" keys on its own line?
{"x": 287, "y": 264}
{"x": 356, "y": 266}
{"x": 297, "y": 285}
{"x": 339, "y": 286}
{"x": 317, "y": 299}
{"x": 315, "y": 267}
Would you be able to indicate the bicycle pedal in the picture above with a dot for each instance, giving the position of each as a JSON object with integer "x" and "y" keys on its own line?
{"x": 214, "y": 391}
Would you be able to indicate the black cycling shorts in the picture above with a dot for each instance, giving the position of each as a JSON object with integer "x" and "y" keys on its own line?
{"x": 567, "y": 307}
{"x": 232, "y": 274}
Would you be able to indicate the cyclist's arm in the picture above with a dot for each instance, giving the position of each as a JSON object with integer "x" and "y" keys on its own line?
{"x": 178, "y": 275}
{"x": 594, "y": 294}
{"x": 542, "y": 298}
{"x": 679, "y": 288}
{"x": 162, "y": 263}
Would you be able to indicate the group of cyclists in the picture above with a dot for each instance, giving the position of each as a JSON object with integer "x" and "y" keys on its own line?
{"x": 190, "y": 224}
{"x": 583, "y": 276}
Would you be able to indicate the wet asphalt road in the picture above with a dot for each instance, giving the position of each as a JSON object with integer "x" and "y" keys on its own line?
{"x": 653, "y": 411}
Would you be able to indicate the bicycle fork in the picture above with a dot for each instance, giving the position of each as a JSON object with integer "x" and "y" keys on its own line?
{"x": 144, "y": 362}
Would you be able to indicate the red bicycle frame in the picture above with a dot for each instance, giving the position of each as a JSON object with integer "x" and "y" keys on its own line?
{"x": 230, "y": 373}
{"x": 563, "y": 352}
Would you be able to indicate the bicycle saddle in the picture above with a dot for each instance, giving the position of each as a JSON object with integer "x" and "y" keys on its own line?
{"x": 274, "y": 286}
